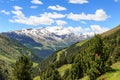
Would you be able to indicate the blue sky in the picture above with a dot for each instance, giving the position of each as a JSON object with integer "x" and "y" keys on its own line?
{"x": 88, "y": 15}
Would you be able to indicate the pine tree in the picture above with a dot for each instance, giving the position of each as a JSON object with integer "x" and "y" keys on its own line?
{"x": 50, "y": 73}
{"x": 23, "y": 69}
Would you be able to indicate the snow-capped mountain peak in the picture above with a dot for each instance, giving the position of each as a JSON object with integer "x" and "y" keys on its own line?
{"x": 47, "y": 38}
{"x": 59, "y": 30}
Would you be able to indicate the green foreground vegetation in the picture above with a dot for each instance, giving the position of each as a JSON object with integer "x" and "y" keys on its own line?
{"x": 91, "y": 58}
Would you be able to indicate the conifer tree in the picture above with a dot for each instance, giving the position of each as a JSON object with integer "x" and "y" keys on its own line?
{"x": 23, "y": 69}
{"x": 50, "y": 73}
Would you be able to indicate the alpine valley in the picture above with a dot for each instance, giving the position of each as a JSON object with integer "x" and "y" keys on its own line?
{"x": 47, "y": 40}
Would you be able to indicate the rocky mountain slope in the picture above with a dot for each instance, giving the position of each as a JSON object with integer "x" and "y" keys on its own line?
{"x": 45, "y": 41}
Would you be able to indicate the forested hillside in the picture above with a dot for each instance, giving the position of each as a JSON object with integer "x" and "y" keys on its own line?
{"x": 90, "y": 58}
{"x": 10, "y": 50}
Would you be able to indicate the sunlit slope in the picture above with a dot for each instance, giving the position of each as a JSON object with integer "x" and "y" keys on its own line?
{"x": 111, "y": 31}
{"x": 112, "y": 75}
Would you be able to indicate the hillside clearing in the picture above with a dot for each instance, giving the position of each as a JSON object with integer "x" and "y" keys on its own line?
{"x": 63, "y": 68}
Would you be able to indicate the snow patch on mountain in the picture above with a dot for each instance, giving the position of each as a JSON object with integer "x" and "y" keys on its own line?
{"x": 46, "y": 40}
{"x": 52, "y": 34}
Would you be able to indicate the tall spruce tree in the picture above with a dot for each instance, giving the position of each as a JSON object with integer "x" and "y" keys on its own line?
{"x": 23, "y": 68}
{"x": 51, "y": 73}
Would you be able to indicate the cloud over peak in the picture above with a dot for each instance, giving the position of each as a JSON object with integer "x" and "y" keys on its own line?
{"x": 98, "y": 29}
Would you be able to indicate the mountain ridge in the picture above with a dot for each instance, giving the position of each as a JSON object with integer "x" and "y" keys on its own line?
{"x": 107, "y": 33}
{"x": 45, "y": 41}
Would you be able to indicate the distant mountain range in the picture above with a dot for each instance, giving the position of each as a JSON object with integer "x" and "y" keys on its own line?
{"x": 45, "y": 41}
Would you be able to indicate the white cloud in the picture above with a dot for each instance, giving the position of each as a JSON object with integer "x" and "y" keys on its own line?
{"x": 18, "y": 13}
{"x": 36, "y": 2}
{"x": 100, "y": 15}
{"x": 57, "y": 8}
{"x": 78, "y": 1}
{"x": 60, "y": 22}
{"x": 91, "y": 31}
{"x": 31, "y": 20}
{"x": 33, "y": 7}
{"x": 98, "y": 29}
{"x": 5, "y": 12}
{"x": 17, "y": 8}
{"x": 94, "y": 29}
{"x": 53, "y": 15}
{"x": 42, "y": 19}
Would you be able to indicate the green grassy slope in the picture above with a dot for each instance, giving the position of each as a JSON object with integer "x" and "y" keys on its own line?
{"x": 111, "y": 75}
{"x": 63, "y": 68}
{"x": 111, "y": 31}
{"x": 59, "y": 53}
